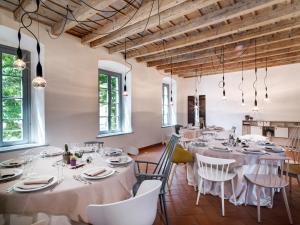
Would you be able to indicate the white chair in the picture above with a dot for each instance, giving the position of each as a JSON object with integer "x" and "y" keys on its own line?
{"x": 139, "y": 210}
{"x": 215, "y": 170}
{"x": 131, "y": 150}
{"x": 267, "y": 176}
{"x": 41, "y": 222}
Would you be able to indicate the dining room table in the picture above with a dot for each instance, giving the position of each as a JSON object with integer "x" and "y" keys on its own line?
{"x": 246, "y": 158}
{"x": 72, "y": 190}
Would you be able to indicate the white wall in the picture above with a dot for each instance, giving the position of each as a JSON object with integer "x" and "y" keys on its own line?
{"x": 284, "y": 93}
{"x": 71, "y": 108}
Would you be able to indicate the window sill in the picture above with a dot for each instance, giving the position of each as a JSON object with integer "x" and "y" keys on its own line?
{"x": 19, "y": 147}
{"x": 113, "y": 134}
{"x": 166, "y": 126}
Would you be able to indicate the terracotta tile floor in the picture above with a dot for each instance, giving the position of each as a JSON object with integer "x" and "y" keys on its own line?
{"x": 183, "y": 211}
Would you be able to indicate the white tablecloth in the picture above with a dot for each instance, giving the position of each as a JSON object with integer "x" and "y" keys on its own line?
{"x": 245, "y": 164}
{"x": 71, "y": 197}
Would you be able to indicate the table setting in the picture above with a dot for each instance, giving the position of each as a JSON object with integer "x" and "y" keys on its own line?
{"x": 246, "y": 153}
{"x": 42, "y": 175}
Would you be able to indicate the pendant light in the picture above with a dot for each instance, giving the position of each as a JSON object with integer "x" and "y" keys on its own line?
{"x": 223, "y": 78}
{"x": 242, "y": 85}
{"x": 19, "y": 64}
{"x": 266, "y": 99}
{"x": 255, "y": 107}
{"x": 171, "y": 97}
{"x": 196, "y": 91}
{"x": 125, "y": 93}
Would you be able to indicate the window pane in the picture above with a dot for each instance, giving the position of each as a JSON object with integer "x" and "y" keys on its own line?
{"x": 103, "y": 80}
{"x": 103, "y": 110}
{"x": 115, "y": 97}
{"x": 8, "y": 65}
{"x": 103, "y": 123}
{"x": 12, "y": 130}
{"x": 115, "y": 123}
{"x": 12, "y": 108}
{"x": 103, "y": 95}
{"x": 114, "y": 83}
{"x": 114, "y": 110}
{"x": 11, "y": 86}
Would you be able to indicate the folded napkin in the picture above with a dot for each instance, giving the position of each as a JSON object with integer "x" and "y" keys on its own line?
{"x": 95, "y": 172}
{"x": 38, "y": 180}
{"x": 252, "y": 150}
{"x": 274, "y": 148}
{"x": 5, "y": 174}
{"x": 220, "y": 148}
{"x": 13, "y": 162}
{"x": 115, "y": 160}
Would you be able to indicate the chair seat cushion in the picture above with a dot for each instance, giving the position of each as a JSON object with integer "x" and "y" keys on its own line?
{"x": 265, "y": 180}
{"x": 211, "y": 175}
{"x": 294, "y": 168}
{"x": 181, "y": 155}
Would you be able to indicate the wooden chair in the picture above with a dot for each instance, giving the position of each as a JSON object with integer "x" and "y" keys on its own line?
{"x": 293, "y": 151}
{"x": 99, "y": 144}
{"x": 215, "y": 170}
{"x": 267, "y": 176}
{"x": 140, "y": 210}
{"x": 161, "y": 171}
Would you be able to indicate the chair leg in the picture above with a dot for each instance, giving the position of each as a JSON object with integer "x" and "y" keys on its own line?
{"x": 298, "y": 179}
{"x": 272, "y": 194}
{"x": 173, "y": 171}
{"x": 287, "y": 205}
{"x": 199, "y": 190}
{"x": 246, "y": 194}
{"x": 222, "y": 193}
{"x": 164, "y": 209}
{"x": 233, "y": 191}
{"x": 290, "y": 183}
{"x": 258, "y": 203}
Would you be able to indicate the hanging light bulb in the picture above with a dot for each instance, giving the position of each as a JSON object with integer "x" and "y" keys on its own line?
{"x": 255, "y": 107}
{"x": 266, "y": 99}
{"x": 125, "y": 93}
{"x": 171, "y": 98}
{"x": 19, "y": 64}
{"x": 242, "y": 84}
{"x": 39, "y": 81}
{"x": 223, "y": 78}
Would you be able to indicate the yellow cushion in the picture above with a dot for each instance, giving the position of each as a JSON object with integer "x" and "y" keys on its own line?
{"x": 181, "y": 155}
{"x": 294, "y": 168}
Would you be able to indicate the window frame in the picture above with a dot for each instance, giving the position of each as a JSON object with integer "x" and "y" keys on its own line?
{"x": 109, "y": 75}
{"x": 26, "y": 98}
{"x": 163, "y": 111}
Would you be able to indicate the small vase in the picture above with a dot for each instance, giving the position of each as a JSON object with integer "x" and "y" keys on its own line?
{"x": 73, "y": 162}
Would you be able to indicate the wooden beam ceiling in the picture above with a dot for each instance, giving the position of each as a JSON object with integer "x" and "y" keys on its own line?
{"x": 165, "y": 16}
{"x": 241, "y": 8}
{"x": 81, "y": 14}
{"x": 267, "y": 17}
{"x": 191, "y": 33}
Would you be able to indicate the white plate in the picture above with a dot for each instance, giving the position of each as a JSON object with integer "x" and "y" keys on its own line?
{"x": 259, "y": 152}
{"x": 113, "y": 151}
{"x": 220, "y": 149}
{"x": 4, "y": 163}
{"x": 111, "y": 172}
{"x": 54, "y": 181}
{"x": 17, "y": 172}
{"x": 125, "y": 160}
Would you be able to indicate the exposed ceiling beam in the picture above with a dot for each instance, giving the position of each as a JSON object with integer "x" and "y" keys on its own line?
{"x": 261, "y": 56}
{"x": 265, "y": 18}
{"x": 230, "y": 52}
{"x": 132, "y": 17}
{"x": 261, "y": 41}
{"x": 241, "y": 8}
{"x": 81, "y": 13}
{"x": 249, "y": 66}
{"x": 165, "y": 16}
{"x": 236, "y": 38}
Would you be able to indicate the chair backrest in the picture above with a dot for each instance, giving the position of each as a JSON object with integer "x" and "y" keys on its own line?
{"x": 41, "y": 222}
{"x": 165, "y": 162}
{"x": 99, "y": 144}
{"x": 139, "y": 210}
{"x": 177, "y": 128}
{"x": 268, "y": 165}
{"x": 214, "y": 169}
{"x": 293, "y": 145}
{"x": 131, "y": 150}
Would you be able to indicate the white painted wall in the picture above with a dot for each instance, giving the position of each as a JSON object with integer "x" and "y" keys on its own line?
{"x": 284, "y": 94}
{"x": 71, "y": 107}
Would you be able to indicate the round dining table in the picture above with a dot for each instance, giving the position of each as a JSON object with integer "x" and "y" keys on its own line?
{"x": 245, "y": 163}
{"x": 69, "y": 197}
